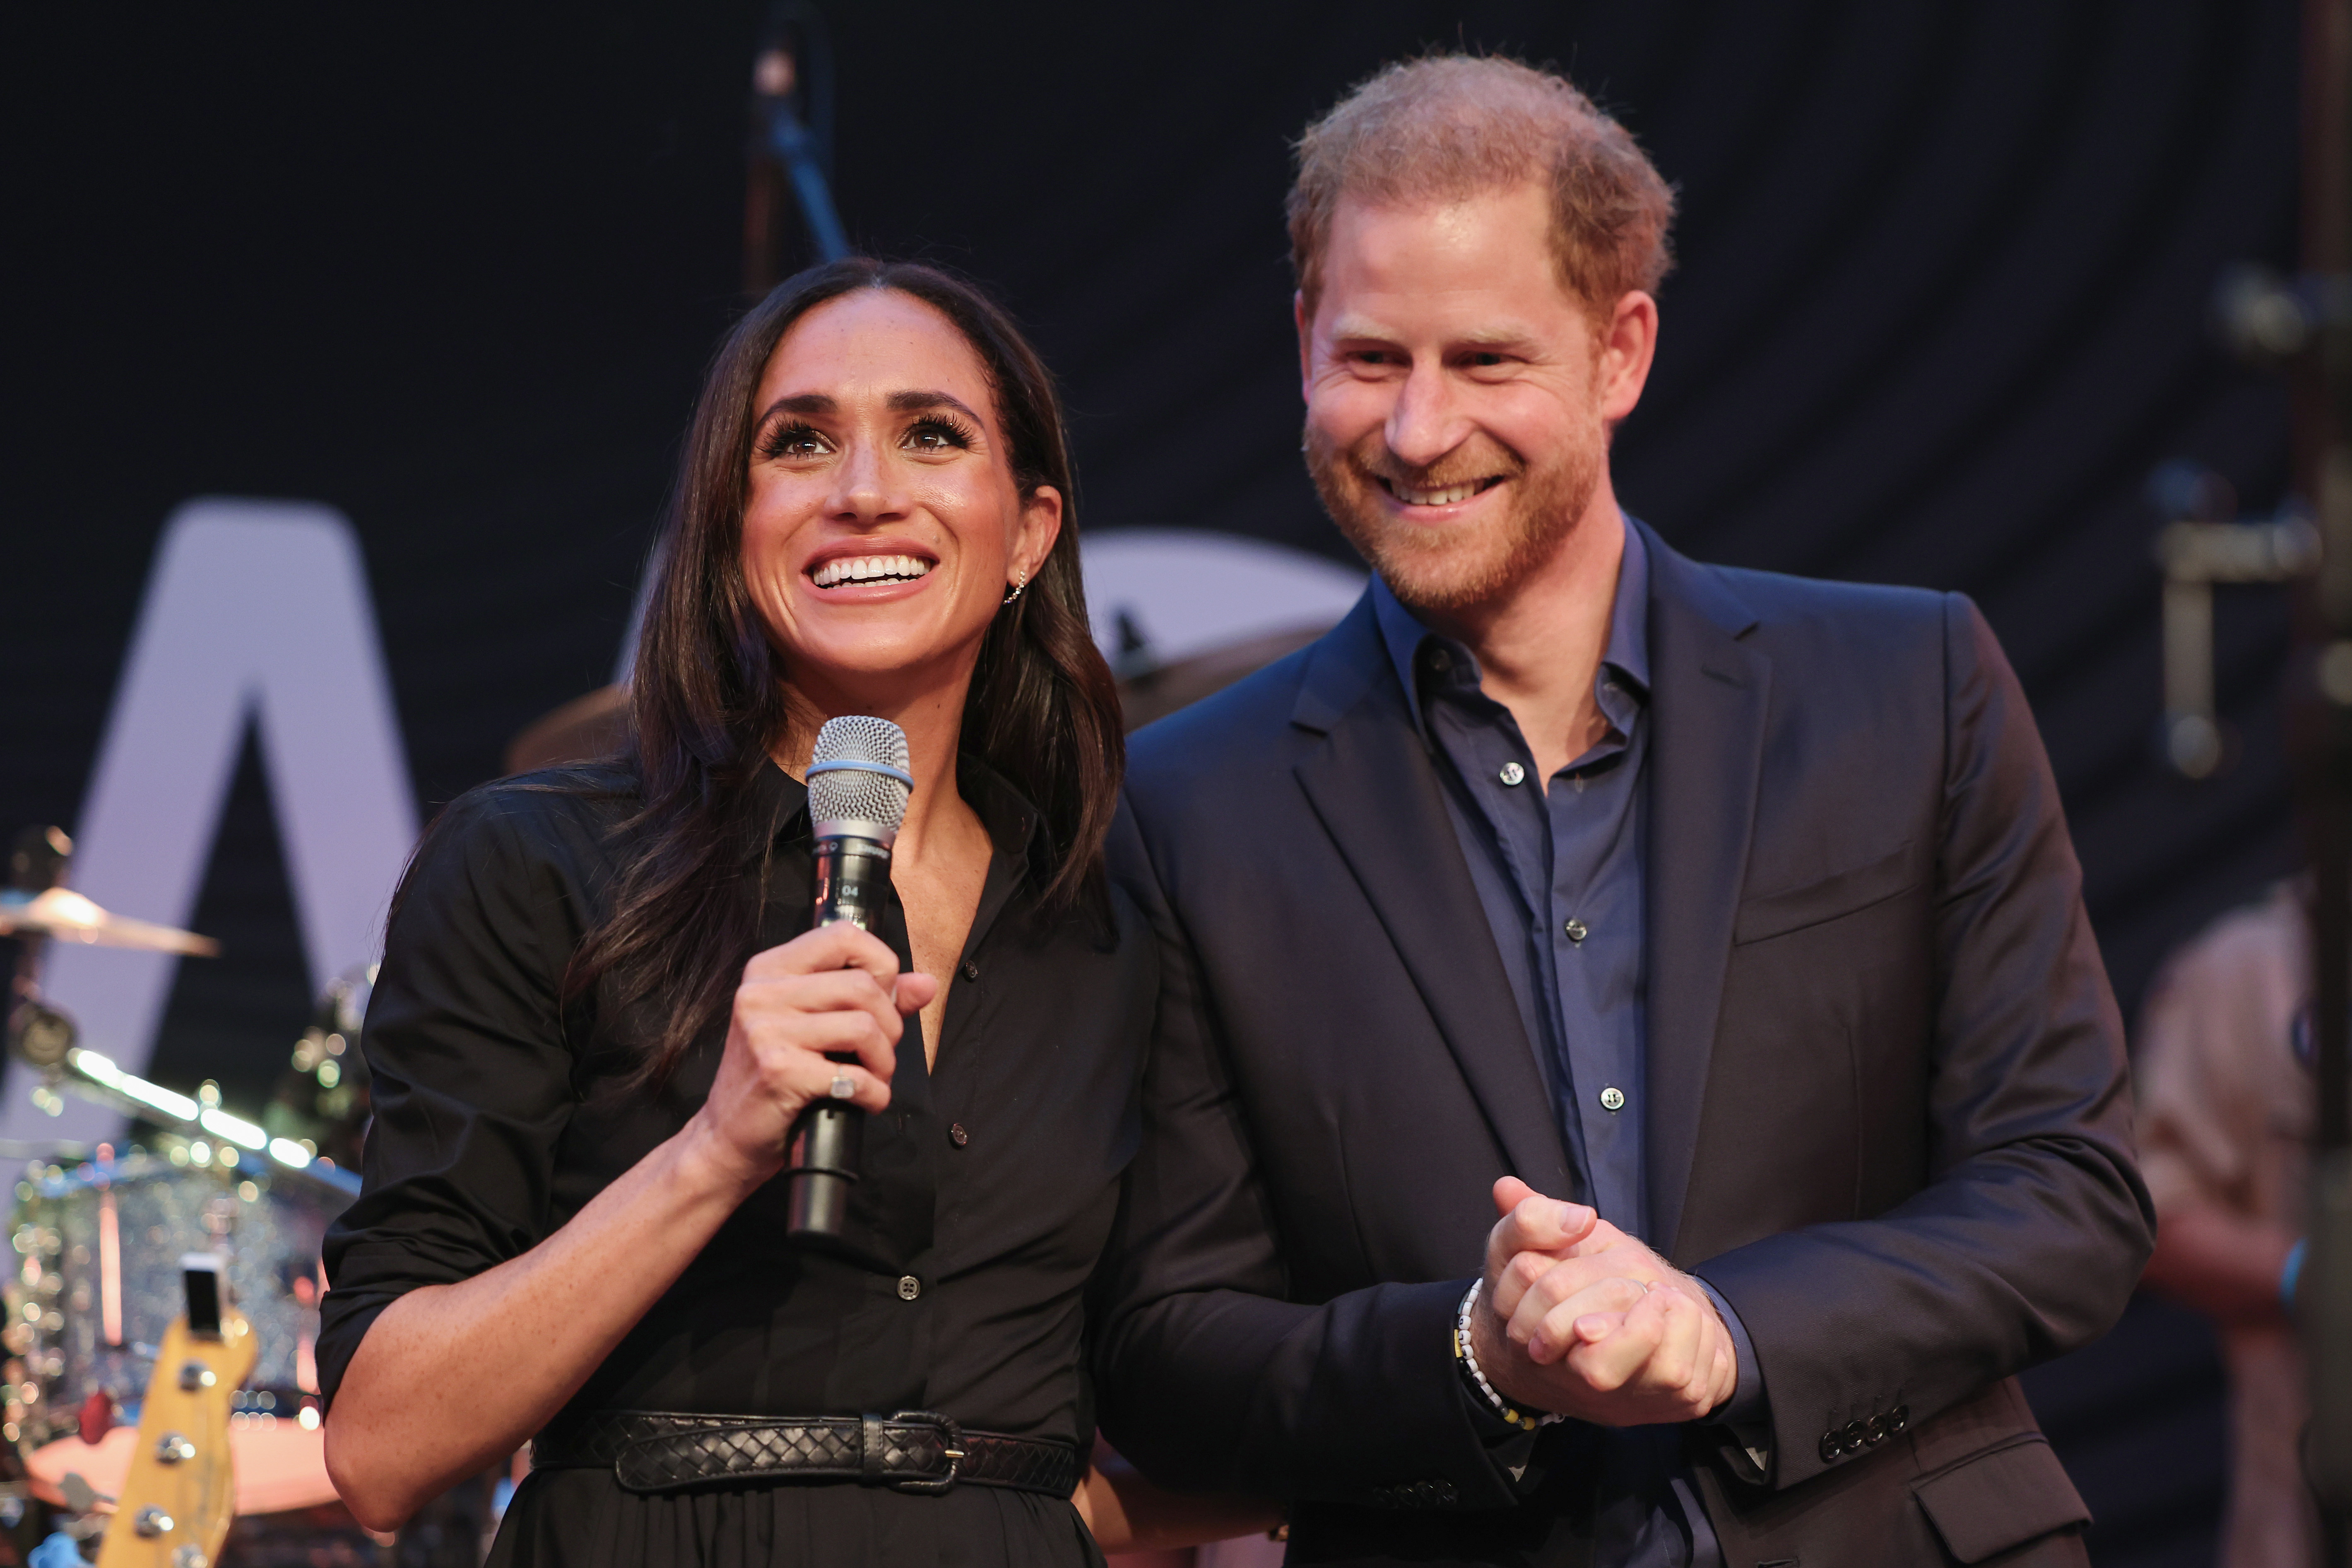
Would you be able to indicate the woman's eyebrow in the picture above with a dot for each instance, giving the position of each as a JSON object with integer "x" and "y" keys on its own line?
{"x": 798, "y": 403}
{"x": 916, "y": 402}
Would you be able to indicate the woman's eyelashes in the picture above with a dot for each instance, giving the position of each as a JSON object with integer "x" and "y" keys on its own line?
{"x": 796, "y": 439}
{"x": 938, "y": 433}
{"x": 793, "y": 438}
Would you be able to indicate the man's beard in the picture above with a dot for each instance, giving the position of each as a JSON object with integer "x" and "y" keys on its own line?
{"x": 1454, "y": 567}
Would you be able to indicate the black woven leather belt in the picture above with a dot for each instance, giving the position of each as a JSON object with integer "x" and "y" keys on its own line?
{"x": 912, "y": 1451}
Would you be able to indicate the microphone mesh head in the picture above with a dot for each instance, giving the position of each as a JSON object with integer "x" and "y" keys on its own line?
{"x": 858, "y": 794}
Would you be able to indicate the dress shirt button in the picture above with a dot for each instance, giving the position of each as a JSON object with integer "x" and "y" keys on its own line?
{"x": 957, "y": 1136}
{"x": 1576, "y": 930}
{"x": 908, "y": 1287}
{"x": 1512, "y": 774}
{"x": 970, "y": 970}
{"x": 1438, "y": 659}
{"x": 1612, "y": 1098}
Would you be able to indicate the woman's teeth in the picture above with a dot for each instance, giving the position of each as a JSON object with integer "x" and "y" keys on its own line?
{"x": 871, "y": 569}
{"x": 1445, "y": 497}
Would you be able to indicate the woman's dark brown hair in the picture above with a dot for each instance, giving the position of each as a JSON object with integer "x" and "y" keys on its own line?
{"x": 707, "y": 700}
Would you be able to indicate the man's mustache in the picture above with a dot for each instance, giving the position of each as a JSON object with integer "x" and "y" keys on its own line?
{"x": 1464, "y": 465}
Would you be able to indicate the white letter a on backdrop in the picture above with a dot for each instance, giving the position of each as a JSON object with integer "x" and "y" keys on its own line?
{"x": 256, "y": 612}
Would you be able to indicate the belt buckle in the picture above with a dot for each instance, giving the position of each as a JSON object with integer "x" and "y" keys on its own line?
{"x": 951, "y": 1444}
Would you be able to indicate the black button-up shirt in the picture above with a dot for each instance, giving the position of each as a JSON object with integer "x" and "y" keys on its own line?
{"x": 987, "y": 1193}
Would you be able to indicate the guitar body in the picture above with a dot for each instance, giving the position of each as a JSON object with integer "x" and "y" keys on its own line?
{"x": 180, "y": 1494}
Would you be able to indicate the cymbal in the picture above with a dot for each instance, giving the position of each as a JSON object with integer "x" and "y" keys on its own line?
{"x": 67, "y": 916}
{"x": 582, "y": 730}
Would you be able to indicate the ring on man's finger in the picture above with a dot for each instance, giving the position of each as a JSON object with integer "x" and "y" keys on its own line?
{"x": 841, "y": 1088}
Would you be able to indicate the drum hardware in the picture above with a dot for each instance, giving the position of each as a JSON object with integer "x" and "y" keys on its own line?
{"x": 37, "y": 906}
{"x": 200, "y": 1123}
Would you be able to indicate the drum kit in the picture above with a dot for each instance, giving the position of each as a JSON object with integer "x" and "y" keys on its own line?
{"x": 104, "y": 1327}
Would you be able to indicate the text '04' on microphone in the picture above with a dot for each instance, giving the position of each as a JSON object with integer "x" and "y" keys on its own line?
{"x": 858, "y": 782}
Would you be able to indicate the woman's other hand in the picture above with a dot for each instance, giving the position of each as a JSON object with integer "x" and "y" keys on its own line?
{"x": 835, "y": 992}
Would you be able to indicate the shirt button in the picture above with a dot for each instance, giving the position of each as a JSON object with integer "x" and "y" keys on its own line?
{"x": 1576, "y": 930}
{"x": 908, "y": 1287}
{"x": 970, "y": 970}
{"x": 957, "y": 1136}
{"x": 1612, "y": 1098}
{"x": 1512, "y": 774}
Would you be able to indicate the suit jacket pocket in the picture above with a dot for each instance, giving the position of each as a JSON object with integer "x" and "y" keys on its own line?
{"x": 1990, "y": 1502}
{"x": 1831, "y": 897}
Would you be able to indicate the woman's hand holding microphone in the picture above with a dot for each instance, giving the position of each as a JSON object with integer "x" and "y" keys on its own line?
{"x": 832, "y": 992}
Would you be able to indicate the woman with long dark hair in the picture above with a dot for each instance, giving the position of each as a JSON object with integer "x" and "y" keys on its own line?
{"x": 601, "y": 1010}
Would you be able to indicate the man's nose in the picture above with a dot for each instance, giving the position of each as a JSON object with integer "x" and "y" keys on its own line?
{"x": 1426, "y": 422}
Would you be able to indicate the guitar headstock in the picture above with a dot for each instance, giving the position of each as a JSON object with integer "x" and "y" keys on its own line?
{"x": 181, "y": 1493}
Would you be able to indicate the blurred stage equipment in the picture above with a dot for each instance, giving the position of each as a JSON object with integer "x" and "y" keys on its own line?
{"x": 791, "y": 143}
{"x": 2201, "y": 544}
{"x": 583, "y": 729}
{"x": 2303, "y": 325}
{"x": 1149, "y": 689}
{"x": 596, "y": 726}
{"x": 93, "y": 1302}
{"x": 36, "y": 905}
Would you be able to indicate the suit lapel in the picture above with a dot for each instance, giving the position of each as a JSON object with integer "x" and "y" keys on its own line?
{"x": 1709, "y": 695}
{"x": 1374, "y": 788}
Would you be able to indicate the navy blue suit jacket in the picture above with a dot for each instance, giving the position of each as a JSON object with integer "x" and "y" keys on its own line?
{"x": 1888, "y": 1114}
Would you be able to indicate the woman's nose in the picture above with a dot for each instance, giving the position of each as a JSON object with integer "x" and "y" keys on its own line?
{"x": 865, "y": 489}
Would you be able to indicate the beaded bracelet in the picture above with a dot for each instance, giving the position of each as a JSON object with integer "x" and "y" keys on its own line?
{"x": 1468, "y": 1357}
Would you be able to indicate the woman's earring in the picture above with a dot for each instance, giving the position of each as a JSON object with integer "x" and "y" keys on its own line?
{"x": 1017, "y": 587}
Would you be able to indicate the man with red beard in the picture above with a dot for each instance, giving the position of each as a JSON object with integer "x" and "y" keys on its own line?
{"x": 1634, "y": 1080}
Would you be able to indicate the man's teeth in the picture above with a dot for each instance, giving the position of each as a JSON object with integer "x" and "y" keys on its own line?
{"x": 1445, "y": 497}
{"x": 871, "y": 568}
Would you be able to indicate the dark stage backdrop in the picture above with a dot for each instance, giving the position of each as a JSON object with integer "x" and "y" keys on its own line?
{"x": 455, "y": 271}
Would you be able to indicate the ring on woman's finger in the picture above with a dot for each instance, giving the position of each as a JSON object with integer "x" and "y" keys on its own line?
{"x": 842, "y": 1089}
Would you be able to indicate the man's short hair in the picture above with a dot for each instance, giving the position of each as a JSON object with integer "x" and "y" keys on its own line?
{"x": 1449, "y": 126}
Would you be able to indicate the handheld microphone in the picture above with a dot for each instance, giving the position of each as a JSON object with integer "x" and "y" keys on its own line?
{"x": 858, "y": 782}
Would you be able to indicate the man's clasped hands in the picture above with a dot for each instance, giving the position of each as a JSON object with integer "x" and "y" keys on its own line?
{"x": 1578, "y": 1318}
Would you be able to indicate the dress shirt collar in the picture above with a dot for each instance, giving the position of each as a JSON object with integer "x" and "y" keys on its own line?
{"x": 1627, "y": 651}
{"x": 1015, "y": 827}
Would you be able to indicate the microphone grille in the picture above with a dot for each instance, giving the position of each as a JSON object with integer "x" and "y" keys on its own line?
{"x": 858, "y": 773}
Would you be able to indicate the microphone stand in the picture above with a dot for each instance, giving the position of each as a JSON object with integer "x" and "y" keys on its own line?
{"x": 794, "y": 66}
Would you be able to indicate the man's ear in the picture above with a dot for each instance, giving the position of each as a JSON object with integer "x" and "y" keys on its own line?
{"x": 1627, "y": 346}
{"x": 1306, "y": 329}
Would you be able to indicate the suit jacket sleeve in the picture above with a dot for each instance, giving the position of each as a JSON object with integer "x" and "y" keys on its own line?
{"x": 1210, "y": 1376}
{"x": 2033, "y": 1223}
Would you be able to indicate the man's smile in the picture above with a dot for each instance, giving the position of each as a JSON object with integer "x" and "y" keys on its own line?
{"x": 1445, "y": 495}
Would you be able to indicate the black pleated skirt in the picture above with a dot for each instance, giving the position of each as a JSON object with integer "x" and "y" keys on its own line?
{"x": 584, "y": 1519}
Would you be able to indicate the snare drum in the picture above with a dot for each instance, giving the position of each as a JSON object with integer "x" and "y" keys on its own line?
{"x": 97, "y": 1256}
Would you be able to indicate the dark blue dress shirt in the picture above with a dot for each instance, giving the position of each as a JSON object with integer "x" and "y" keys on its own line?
{"x": 1559, "y": 871}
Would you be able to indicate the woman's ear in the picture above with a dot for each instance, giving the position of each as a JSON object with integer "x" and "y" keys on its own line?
{"x": 1041, "y": 525}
